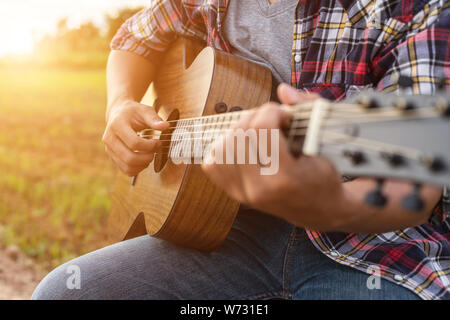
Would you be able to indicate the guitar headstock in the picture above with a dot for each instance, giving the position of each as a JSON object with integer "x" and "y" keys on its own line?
{"x": 384, "y": 135}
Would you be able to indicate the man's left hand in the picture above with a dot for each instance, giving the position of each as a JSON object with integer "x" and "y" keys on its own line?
{"x": 305, "y": 191}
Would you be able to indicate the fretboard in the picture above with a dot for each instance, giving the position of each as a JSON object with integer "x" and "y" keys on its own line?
{"x": 191, "y": 138}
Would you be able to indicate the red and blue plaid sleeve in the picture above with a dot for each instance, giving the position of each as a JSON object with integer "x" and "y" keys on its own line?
{"x": 152, "y": 30}
{"x": 420, "y": 50}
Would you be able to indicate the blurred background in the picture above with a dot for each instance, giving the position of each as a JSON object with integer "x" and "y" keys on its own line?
{"x": 55, "y": 178}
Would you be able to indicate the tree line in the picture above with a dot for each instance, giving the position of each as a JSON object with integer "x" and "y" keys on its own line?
{"x": 85, "y": 46}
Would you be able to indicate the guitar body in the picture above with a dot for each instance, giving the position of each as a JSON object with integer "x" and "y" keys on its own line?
{"x": 177, "y": 202}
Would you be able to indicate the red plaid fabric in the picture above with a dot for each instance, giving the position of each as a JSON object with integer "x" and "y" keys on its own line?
{"x": 339, "y": 48}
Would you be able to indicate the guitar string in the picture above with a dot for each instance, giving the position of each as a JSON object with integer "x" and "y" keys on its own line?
{"x": 341, "y": 106}
{"x": 298, "y": 107}
{"x": 375, "y": 117}
{"x": 294, "y": 132}
{"x": 372, "y": 144}
{"x": 207, "y": 141}
{"x": 411, "y": 153}
{"x": 364, "y": 142}
{"x": 328, "y": 122}
{"x": 341, "y": 109}
{"x": 227, "y": 121}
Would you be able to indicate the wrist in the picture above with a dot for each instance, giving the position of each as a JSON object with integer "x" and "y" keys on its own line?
{"x": 346, "y": 210}
{"x": 117, "y": 103}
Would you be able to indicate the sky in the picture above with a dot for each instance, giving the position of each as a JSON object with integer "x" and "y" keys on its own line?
{"x": 24, "y": 21}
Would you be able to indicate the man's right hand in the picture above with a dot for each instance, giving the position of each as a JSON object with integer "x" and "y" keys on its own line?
{"x": 131, "y": 153}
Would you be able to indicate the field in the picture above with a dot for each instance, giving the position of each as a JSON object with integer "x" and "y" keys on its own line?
{"x": 55, "y": 178}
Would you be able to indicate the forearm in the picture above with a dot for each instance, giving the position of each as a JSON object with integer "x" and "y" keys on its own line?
{"x": 363, "y": 218}
{"x": 308, "y": 191}
{"x": 128, "y": 76}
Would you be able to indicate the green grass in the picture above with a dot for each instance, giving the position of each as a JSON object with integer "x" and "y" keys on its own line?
{"x": 54, "y": 175}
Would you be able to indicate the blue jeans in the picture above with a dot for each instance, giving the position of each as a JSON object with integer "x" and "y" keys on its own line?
{"x": 262, "y": 258}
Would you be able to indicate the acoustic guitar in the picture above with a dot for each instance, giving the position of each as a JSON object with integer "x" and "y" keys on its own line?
{"x": 203, "y": 91}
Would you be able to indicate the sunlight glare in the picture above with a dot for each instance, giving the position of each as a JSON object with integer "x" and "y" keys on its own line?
{"x": 18, "y": 43}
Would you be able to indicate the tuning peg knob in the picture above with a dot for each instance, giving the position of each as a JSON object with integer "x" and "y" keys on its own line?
{"x": 367, "y": 102}
{"x": 441, "y": 83}
{"x": 403, "y": 104}
{"x": 394, "y": 159}
{"x": 376, "y": 198}
{"x": 434, "y": 164}
{"x": 413, "y": 202}
{"x": 405, "y": 81}
{"x": 443, "y": 106}
{"x": 356, "y": 157}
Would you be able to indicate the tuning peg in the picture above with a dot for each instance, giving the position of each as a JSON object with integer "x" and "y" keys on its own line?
{"x": 367, "y": 102}
{"x": 443, "y": 106}
{"x": 394, "y": 159}
{"x": 441, "y": 83}
{"x": 413, "y": 202}
{"x": 434, "y": 164}
{"x": 376, "y": 198}
{"x": 405, "y": 81}
{"x": 356, "y": 157}
{"x": 403, "y": 104}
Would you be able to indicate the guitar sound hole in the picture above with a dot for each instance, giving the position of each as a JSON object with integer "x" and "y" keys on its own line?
{"x": 163, "y": 154}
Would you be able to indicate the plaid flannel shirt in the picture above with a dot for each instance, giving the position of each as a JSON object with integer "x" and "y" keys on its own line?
{"x": 339, "y": 48}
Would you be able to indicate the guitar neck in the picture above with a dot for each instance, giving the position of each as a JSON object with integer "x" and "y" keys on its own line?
{"x": 361, "y": 140}
{"x": 197, "y": 134}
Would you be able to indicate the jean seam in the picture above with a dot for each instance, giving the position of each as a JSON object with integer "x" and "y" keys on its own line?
{"x": 285, "y": 281}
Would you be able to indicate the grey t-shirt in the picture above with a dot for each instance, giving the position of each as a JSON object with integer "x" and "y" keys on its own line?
{"x": 263, "y": 32}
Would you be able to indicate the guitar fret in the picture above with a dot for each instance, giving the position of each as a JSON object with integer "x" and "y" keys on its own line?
{"x": 195, "y": 135}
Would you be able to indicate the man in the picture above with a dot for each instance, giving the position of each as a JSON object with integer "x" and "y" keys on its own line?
{"x": 329, "y": 48}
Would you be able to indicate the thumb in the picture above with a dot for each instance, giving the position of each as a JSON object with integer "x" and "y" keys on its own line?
{"x": 289, "y": 95}
{"x": 152, "y": 120}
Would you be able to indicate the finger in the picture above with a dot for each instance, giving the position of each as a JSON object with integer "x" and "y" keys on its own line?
{"x": 134, "y": 142}
{"x": 125, "y": 168}
{"x": 244, "y": 121}
{"x": 269, "y": 116}
{"x": 221, "y": 141}
{"x": 289, "y": 95}
{"x": 225, "y": 176}
{"x": 127, "y": 156}
{"x": 272, "y": 117}
{"x": 248, "y": 173}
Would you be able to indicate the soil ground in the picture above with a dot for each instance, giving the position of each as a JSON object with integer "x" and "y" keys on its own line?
{"x": 18, "y": 275}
